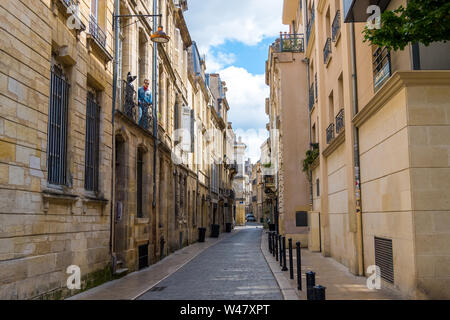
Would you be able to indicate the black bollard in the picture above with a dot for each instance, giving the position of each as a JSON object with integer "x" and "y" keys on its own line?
{"x": 270, "y": 242}
{"x": 310, "y": 283}
{"x": 273, "y": 243}
{"x": 319, "y": 292}
{"x": 284, "y": 255}
{"x": 276, "y": 246}
{"x": 299, "y": 267}
{"x": 291, "y": 263}
{"x": 281, "y": 250}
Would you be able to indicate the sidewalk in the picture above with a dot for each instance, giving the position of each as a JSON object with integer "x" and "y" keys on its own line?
{"x": 137, "y": 283}
{"x": 340, "y": 283}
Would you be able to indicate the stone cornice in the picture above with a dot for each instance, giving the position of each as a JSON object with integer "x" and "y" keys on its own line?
{"x": 340, "y": 139}
{"x": 398, "y": 81}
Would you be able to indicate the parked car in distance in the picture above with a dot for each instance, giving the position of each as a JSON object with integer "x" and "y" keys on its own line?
{"x": 250, "y": 218}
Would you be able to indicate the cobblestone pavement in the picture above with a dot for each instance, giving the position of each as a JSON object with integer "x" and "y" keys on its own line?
{"x": 233, "y": 269}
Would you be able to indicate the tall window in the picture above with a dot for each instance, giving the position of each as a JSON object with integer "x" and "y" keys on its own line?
{"x": 57, "y": 127}
{"x": 140, "y": 184}
{"x": 92, "y": 142}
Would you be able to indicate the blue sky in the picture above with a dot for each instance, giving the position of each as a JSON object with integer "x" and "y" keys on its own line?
{"x": 235, "y": 36}
{"x": 252, "y": 57}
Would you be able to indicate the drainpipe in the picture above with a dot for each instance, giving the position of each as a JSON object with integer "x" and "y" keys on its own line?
{"x": 311, "y": 196}
{"x": 116, "y": 21}
{"x": 155, "y": 102}
{"x": 359, "y": 235}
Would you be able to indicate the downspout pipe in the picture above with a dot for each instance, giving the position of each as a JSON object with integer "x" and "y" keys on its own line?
{"x": 155, "y": 102}
{"x": 311, "y": 196}
{"x": 359, "y": 236}
{"x": 116, "y": 21}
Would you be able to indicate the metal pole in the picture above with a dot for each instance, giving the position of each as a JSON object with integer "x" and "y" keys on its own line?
{"x": 284, "y": 255}
{"x": 291, "y": 263}
{"x": 155, "y": 102}
{"x": 270, "y": 242}
{"x": 281, "y": 249}
{"x": 276, "y": 246}
{"x": 299, "y": 267}
{"x": 114, "y": 98}
{"x": 273, "y": 243}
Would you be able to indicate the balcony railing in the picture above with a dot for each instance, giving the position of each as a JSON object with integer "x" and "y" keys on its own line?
{"x": 70, "y": 3}
{"x": 292, "y": 42}
{"x": 141, "y": 116}
{"x": 336, "y": 26}
{"x": 311, "y": 97}
{"x": 381, "y": 66}
{"x": 269, "y": 180}
{"x": 330, "y": 133}
{"x": 327, "y": 51}
{"x": 340, "y": 121}
{"x": 310, "y": 24}
{"x": 96, "y": 32}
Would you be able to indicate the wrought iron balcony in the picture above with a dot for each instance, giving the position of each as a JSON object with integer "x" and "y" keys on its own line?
{"x": 143, "y": 118}
{"x": 70, "y": 3}
{"x": 311, "y": 97}
{"x": 96, "y": 32}
{"x": 336, "y": 26}
{"x": 330, "y": 133}
{"x": 292, "y": 42}
{"x": 254, "y": 198}
{"x": 269, "y": 180}
{"x": 327, "y": 51}
{"x": 381, "y": 66}
{"x": 310, "y": 24}
{"x": 340, "y": 121}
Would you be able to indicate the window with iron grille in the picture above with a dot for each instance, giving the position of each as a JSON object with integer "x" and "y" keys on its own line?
{"x": 92, "y": 143}
{"x": 57, "y": 127}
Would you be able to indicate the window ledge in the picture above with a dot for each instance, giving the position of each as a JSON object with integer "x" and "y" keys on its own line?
{"x": 95, "y": 46}
{"x": 334, "y": 144}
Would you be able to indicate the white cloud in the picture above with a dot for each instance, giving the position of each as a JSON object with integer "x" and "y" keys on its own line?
{"x": 246, "y": 97}
{"x": 216, "y": 62}
{"x": 213, "y": 22}
{"x": 253, "y": 139}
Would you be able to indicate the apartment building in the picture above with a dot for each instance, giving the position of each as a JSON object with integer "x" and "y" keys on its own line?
{"x": 379, "y": 122}
{"x": 289, "y": 135}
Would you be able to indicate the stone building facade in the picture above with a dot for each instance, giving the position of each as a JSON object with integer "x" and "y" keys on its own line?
{"x": 55, "y": 145}
{"x": 81, "y": 185}
{"x": 288, "y": 131}
{"x": 377, "y": 121}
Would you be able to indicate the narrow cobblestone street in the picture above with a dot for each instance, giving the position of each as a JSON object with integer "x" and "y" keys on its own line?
{"x": 233, "y": 269}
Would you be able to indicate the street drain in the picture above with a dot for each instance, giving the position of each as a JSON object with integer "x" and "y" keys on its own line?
{"x": 157, "y": 289}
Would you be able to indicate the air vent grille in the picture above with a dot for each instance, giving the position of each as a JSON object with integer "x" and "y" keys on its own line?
{"x": 384, "y": 258}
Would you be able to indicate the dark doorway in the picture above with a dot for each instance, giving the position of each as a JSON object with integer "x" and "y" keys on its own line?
{"x": 143, "y": 256}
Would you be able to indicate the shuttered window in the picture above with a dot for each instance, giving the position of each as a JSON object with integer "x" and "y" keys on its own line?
{"x": 92, "y": 143}
{"x": 57, "y": 127}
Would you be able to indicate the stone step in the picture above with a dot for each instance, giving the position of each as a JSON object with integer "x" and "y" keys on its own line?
{"x": 121, "y": 271}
